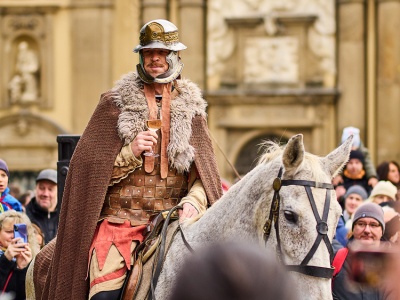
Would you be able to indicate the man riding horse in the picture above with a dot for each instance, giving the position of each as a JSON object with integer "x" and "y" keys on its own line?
{"x": 113, "y": 187}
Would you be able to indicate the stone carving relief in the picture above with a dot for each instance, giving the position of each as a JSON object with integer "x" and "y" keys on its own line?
{"x": 321, "y": 33}
{"x": 273, "y": 59}
{"x": 26, "y": 59}
{"x": 24, "y": 84}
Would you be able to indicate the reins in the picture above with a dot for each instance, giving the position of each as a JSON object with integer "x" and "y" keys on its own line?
{"x": 161, "y": 253}
{"x": 322, "y": 225}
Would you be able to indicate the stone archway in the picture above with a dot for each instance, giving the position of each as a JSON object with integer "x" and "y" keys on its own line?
{"x": 250, "y": 152}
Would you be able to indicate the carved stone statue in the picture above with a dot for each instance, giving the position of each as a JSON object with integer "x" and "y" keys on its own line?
{"x": 24, "y": 86}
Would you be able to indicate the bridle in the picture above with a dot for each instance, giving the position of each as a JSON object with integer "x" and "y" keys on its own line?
{"x": 322, "y": 225}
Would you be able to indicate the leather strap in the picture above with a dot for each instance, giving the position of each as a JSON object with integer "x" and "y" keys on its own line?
{"x": 134, "y": 277}
{"x": 149, "y": 93}
{"x": 165, "y": 129}
{"x": 322, "y": 226}
{"x": 320, "y": 185}
{"x": 184, "y": 240}
{"x": 161, "y": 252}
{"x": 312, "y": 271}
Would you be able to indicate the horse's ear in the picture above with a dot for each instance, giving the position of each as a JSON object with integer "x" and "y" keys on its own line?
{"x": 337, "y": 159}
{"x": 293, "y": 154}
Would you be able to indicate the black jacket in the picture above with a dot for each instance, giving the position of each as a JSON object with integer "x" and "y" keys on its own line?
{"x": 16, "y": 284}
{"x": 48, "y": 222}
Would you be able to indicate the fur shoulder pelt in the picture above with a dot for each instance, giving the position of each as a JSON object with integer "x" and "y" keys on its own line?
{"x": 128, "y": 94}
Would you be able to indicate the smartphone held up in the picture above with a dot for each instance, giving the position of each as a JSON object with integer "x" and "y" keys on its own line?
{"x": 20, "y": 231}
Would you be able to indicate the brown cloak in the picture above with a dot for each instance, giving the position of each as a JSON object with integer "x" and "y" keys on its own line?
{"x": 88, "y": 178}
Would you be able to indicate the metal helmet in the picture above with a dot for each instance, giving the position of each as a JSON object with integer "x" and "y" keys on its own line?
{"x": 160, "y": 34}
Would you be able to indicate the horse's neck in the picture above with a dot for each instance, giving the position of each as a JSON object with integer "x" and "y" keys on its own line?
{"x": 240, "y": 213}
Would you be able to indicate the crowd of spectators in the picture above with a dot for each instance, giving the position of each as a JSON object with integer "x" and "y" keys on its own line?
{"x": 369, "y": 197}
{"x": 37, "y": 213}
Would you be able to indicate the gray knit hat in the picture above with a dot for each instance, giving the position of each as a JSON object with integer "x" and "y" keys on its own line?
{"x": 356, "y": 189}
{"x": 4, "y": 167}
{"x": 369, "y": 210}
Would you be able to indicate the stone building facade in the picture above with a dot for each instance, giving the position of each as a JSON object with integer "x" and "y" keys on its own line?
{"x": 269, "y": 69}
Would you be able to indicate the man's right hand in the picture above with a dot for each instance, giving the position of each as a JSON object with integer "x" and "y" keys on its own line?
{"x": 144, "y": 141}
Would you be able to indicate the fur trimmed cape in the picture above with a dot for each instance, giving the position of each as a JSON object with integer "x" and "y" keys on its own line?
{"x": 60, "y": 268}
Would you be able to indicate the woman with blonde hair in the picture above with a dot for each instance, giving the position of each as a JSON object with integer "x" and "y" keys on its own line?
{"x": 15, "y": 255}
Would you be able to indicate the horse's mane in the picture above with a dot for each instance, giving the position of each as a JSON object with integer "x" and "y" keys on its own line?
{"x": 274, "y": 150}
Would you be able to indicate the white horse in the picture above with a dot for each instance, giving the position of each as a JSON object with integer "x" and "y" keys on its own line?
{"x": 307, "y": 217}
{"x": 242, "y": 212}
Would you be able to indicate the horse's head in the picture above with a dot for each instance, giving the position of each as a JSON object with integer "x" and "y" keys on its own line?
{"x": 307, "y": 212}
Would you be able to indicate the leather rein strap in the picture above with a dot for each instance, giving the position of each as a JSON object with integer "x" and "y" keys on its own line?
{"x": 322, "y": 225}
{"x": 161, "y": 253}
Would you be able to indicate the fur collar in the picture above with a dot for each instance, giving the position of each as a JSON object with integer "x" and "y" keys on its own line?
{"x": 129, "y": 96}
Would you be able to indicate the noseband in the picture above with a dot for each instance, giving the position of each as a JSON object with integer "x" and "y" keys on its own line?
{"x": 322, "y": 225}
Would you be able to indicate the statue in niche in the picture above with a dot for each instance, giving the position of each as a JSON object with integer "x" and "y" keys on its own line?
{"x": 24, "y": 86}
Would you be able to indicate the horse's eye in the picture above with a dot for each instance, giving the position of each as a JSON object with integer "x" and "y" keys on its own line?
{"x": 290, "y": 216}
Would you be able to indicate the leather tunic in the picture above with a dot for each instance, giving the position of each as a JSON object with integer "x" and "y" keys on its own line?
{"x": 141, "y": 194}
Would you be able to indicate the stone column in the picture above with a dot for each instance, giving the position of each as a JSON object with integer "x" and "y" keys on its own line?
{"x": 351, "y": 65}
{"x": 388, "y": 81}
{"x": 192, "y": 29}
{"x": 90, "y": 55}
{"x": 153, "y": 9}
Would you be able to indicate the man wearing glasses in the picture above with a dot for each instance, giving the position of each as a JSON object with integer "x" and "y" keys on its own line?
{"x": 368, "y": 228}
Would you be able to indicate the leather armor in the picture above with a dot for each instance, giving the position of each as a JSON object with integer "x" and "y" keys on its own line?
{"x": 141, "y": 194}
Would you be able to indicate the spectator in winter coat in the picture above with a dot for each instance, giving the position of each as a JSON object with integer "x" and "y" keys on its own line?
{"x": 15, "y": 255}
{"x": 353, "y": 174}
{"x": 369, "y": 167}
{"x": 42, "y": 210}
{"x": 7, "y": 201}
{"x": 354, "y": 197}
{"x": 368, "y": 229}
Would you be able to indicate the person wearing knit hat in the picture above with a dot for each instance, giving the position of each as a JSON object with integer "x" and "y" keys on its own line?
{"x": 353, "y": 174}
{"x": 7, "y": 201}
{"x": 353, "y": 198}
{"x": 357, "y": 154}
{"x": 369, "y": 167}
{"x": 356, "y": 136}
{"x": 369, "y": 224}
{"x": 384, "y": 191}
{"x": 368, "y": 228}
{"x": 4, "y": 167}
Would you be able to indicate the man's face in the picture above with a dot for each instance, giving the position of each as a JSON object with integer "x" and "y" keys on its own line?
{"x": 352, "y": 202}
{"x": 368, "y": 231}
{"x": 155, "y": 62}
{"x": 46, "y": 194}
{"x": 3, "y": 181}
{"x": 354, "y": 166}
